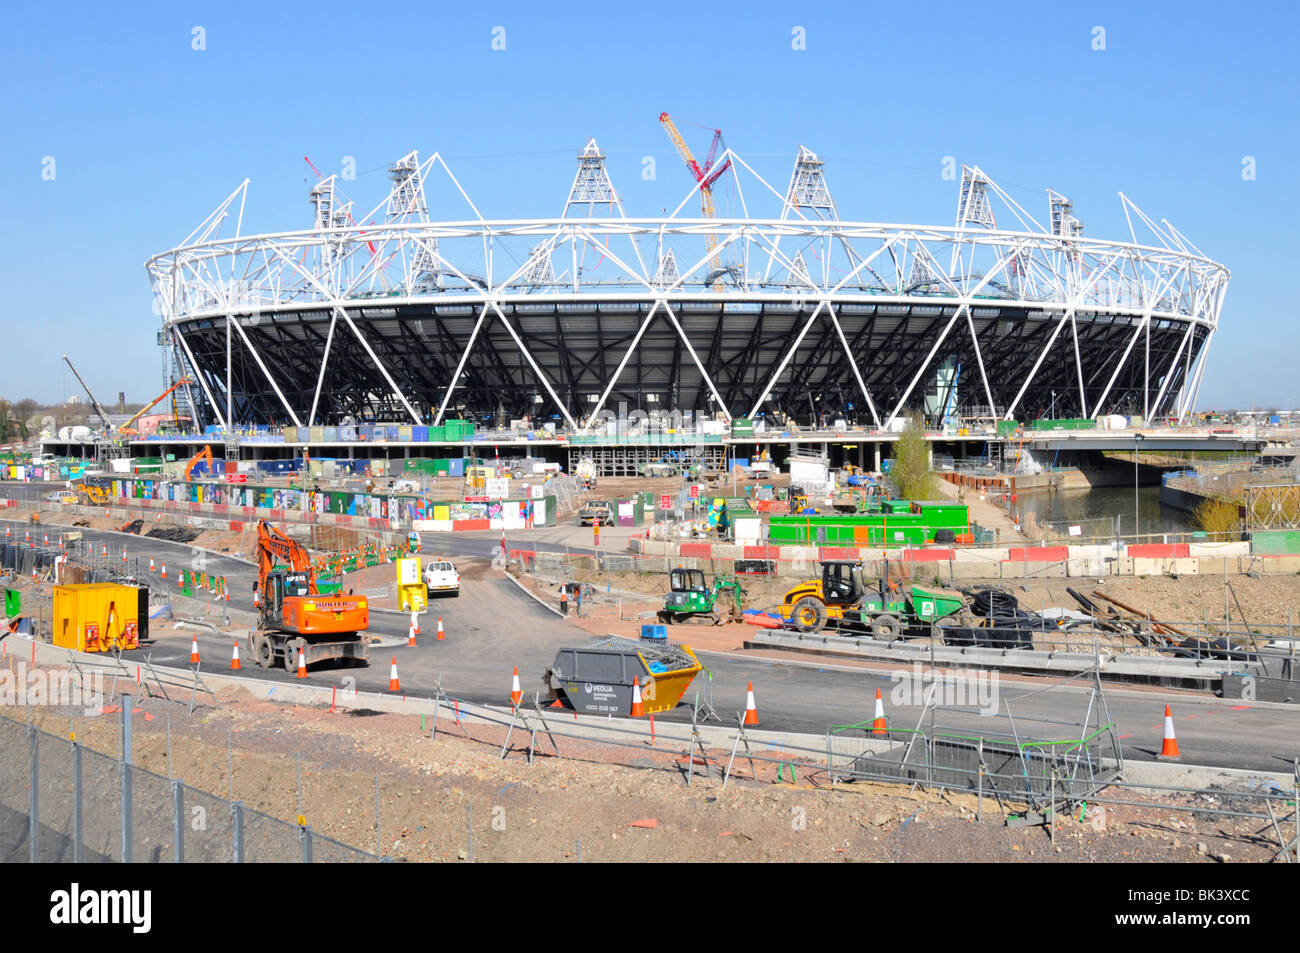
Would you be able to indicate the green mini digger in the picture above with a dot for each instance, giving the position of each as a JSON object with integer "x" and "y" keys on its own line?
{"x": 690, "y": 600}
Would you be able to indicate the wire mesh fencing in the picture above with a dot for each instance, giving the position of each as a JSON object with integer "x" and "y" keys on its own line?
{"x": 61, "y": 802}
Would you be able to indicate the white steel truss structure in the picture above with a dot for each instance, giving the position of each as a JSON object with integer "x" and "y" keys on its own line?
{"x": 415, "y": 315}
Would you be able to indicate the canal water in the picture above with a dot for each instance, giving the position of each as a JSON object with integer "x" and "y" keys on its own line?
{"x": 1097, "y": 510}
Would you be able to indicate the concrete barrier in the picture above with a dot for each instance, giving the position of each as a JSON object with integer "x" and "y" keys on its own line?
{"x": 972, "y": 570}
{"x": 1274, "y": 565}
{"x": 828, "y": 553}
{"x": 1221, "y": 550}
{"x": 1087, "y": 568}
{"x": 995, "y": 555}
{"x": 928, "y": 555}
{"x": 1038, "y": 554}
{"x": 1158, "y": 550}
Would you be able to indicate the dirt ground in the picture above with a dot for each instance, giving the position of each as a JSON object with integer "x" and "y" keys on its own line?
{"x": 582, "y": 805}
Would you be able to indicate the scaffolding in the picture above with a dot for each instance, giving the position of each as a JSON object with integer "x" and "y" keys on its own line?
{"x": 630, "y": 461}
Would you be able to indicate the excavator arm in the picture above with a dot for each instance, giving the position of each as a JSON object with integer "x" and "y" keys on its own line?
{"x": 204, "y": 455}
{"x": 128, "y": 429}
{"x": 273, "y": 546}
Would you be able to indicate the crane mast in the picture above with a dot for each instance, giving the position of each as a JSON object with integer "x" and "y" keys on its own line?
{"x": 705, "y": 176}
{"x": 103, "y": 414}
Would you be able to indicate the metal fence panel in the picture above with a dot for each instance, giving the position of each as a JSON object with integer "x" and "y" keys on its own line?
{"x": 268, "y": 840}
{"x": 15, "y": 791}
{"x": 208, "y": 828}
{"x": 152, "y": 818}
{"x": 101, "y": 787}
{"x": 57, "y": 814}
{"x": 326, "y": 850}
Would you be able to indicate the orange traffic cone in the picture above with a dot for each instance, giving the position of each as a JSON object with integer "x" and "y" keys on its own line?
{"x": 234, "y": 659}
{"x": 302, "y": 663}
{"x": 393, "y": 684}
{"x": 194, "y": 650}
{"x": 151, "y": 569}
{"x": 1170, "y": 747}
{"x": 415, "y": 622}
{"x": 164, "y": 572}
{"x": 410, "y": 636}
{"x": 751, "y": 710}
{"x": 441, "y": 634}
{"x": 878, "y": 726}
{"x": 516, "y": 695}
{"x": 638, "y": 709}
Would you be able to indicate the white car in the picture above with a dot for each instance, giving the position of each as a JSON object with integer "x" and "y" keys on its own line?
{"x": 441, "y": 577}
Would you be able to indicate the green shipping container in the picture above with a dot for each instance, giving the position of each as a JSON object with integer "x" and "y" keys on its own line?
{"x": 871, "y": 529}
{"x": 953, "y": 516}
{"x": 1067, "y": 423}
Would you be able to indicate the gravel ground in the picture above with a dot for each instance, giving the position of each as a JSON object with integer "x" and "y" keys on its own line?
{"x": 583, "y": 806}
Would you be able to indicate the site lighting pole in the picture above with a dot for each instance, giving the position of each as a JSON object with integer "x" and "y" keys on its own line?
{"x": 1137, "y": 440}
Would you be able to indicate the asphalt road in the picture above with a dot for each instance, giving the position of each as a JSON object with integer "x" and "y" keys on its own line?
{"x": 492, "y": 627}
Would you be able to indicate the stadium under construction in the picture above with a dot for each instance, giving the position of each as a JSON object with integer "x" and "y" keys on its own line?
{"x": 604, "y": 328}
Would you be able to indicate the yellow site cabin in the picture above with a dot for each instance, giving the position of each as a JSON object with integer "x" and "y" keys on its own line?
{"x": 100, "y": 616}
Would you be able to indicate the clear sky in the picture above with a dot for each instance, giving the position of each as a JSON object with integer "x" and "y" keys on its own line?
{"x": 148, "y": 134}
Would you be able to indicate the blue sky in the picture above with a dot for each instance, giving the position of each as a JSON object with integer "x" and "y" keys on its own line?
{"x": 149, "y": 134}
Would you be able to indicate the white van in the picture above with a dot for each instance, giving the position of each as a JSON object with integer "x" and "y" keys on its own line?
{"x": 441, "y": 578}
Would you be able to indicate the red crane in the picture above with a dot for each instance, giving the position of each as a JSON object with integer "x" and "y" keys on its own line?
{"x": 705, "y": 176}
{"x": 351, "y": 220}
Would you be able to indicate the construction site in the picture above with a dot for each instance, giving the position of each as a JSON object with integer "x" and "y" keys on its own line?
{"x": 616, "y": 537}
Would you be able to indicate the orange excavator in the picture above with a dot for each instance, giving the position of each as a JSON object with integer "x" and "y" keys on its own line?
{"x": 204, "y": 455}
{"x": 295, "y": 616}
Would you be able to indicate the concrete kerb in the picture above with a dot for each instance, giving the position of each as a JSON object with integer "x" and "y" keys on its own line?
{"x": 532, "y": 595}
{"x": 1019, "y": 660}
{"x": 595, "y": 728}
{"x": 1196, "y": 775}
